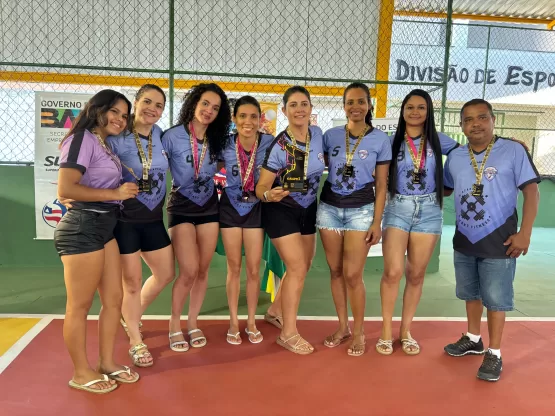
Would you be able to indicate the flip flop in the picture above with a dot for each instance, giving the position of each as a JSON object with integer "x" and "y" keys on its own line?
{"x": 115, "y": 376}
{"x": 253, "y": 335}
{"x": 332, "y": 342}
{"x": 236, "y": 336}
{"x": 87, "y": 386}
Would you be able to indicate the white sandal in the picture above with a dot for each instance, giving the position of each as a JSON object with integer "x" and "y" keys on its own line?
{"x": 202, "y": 338}
{"x": 174, "y": 344}
{"x": 388, "y": 344}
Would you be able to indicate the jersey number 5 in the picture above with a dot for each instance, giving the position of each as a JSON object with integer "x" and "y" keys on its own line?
{"x": 335, "y": 151}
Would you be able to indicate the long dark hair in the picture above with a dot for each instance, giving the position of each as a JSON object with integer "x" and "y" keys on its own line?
{"x": 94, "y": 113}
{"x": 144, "y": 88}
{"x": 430, "y": 132}
{"x": 217, "y": 131}
{"x": 363, "y": 87}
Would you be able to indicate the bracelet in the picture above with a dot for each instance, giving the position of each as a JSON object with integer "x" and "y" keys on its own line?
{"x": 265, "y": 197}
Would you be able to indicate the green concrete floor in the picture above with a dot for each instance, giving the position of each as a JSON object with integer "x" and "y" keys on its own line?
{"x": 36, "y": 290}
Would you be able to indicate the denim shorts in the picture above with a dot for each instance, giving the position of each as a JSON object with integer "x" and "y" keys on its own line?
{"x": 488, "y": 280}
{"x": 344, "y": 219}
{"x": 414, "y": 214}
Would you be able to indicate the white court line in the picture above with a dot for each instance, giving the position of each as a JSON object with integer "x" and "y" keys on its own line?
{"x": 16, "y": 349}
{"x": 21, "y": 343}
{"x": 301, "y": 318}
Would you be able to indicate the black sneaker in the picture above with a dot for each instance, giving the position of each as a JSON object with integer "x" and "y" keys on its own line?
{"x": 491, "y": 368}
{"x": 464, "y": 346}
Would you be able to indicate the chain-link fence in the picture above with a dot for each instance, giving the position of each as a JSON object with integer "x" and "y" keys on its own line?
{"x": 248, "y": 47}
{"x": 262, "y": 47}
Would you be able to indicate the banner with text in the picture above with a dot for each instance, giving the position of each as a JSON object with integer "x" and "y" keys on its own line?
{"x": 54, "y": 115}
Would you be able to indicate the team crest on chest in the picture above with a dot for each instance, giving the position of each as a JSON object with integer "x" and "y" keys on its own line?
{"x": 363, "y": 154}
{"x": 430, "y": 152}
{"x": 164, "y": 154}
{"x": 490, "y": 172}
{"x": 321, "y": 157}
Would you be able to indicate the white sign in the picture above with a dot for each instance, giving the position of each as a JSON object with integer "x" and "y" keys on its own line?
{"x": 54, "y": 115}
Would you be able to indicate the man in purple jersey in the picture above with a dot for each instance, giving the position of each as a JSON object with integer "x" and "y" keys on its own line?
{"x": 485, "y": 177}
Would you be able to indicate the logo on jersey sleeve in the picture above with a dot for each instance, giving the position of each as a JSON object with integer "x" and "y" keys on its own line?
{"x": 363, "y": 154}
{"x": 490, "y": 172}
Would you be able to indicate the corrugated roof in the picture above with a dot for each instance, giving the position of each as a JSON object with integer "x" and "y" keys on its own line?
{"x": 532, "y": 9}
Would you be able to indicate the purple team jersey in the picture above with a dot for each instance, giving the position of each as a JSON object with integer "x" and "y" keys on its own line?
{"x": 233, "y": 179}
{"x": 277, "y": 161}
{"x": 485, "y": 222}
{"x": 147, "y": 206}
{"x": 357, "y": 190}
{"x": 199, "y": 190}
{"x": 82, "y": 151}
{"x": 405, "y": 166}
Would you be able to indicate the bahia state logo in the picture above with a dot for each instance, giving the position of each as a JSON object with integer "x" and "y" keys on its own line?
{"x": 363, "y": 154}
{"x": 52, "y": 212}
{"x": 490, "y": 172}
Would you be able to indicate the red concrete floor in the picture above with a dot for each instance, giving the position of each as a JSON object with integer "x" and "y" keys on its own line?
{"x": 265, "y": 379}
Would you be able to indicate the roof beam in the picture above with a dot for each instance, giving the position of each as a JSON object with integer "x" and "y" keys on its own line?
{"x": 551, "y": 25}
{"x": 463, "y": 16}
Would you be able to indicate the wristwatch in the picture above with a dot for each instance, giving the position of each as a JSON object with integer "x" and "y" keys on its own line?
{"x": 265, "y": 197}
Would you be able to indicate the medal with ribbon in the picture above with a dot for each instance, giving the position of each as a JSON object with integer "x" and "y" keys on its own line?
{"x": 246, "y": 164}
{"x": 348, "y": 170}
{"x": 194, "y": 150}
{"x": 418, "y": 158}
{"x": 478, "y": 187}
{"x": 143, "y": 182}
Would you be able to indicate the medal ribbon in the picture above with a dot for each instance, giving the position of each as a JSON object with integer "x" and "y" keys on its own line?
{"x": 194, "y": 147}
{"x": 418, "y": 160}
{"x": 147, "y": 163}
{"x": 112, "y": 155}
{"x": 479, "y": 172}
{"x": 348, "y": 154}
{"x": 246, "y": 164}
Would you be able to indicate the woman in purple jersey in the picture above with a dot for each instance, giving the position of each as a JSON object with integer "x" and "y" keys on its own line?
{"x": 350, "y": 213}
{"x": 90, "y": 175}
{"x": 240, "y": 213}
{"x": 140, "y": 231}
{"x": 204, "y": 120}
{"x": 413, "y": 216}
{"x": 289, "y": 218}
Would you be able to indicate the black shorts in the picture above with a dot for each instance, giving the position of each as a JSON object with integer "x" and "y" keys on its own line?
{"x": 81, "y": 231}
{"x": 143, "y": 236}
{"x": 230, "y": 218}
{"x": 279, "y": 220}
{"x": 176, "y": 219}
